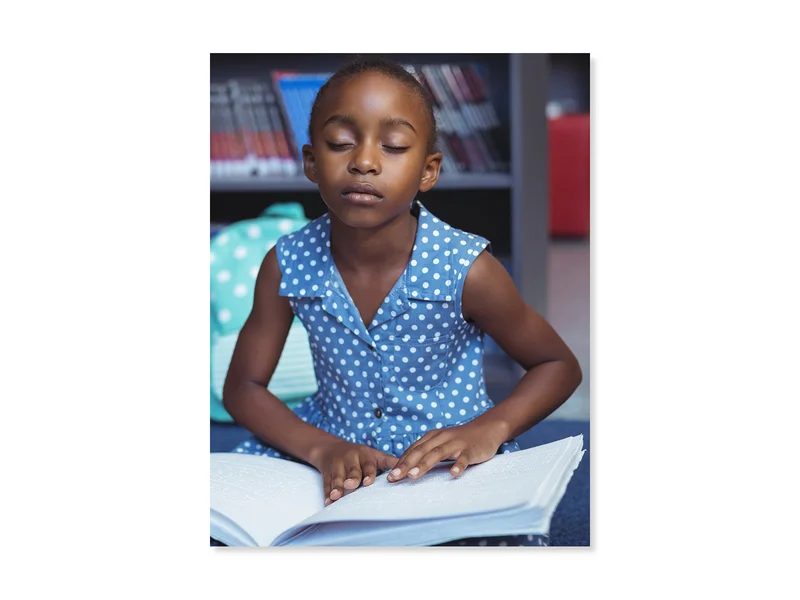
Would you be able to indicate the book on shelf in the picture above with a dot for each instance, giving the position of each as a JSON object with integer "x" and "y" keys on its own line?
{"x": 260, "y": 154}
{"x": 478, "y": 121}
{"x": 262, "y": 501}
{"x": 447, "y": 105}
{"x": 229, "y": 155}
{"x": 481, "y": 93}
{"x": 248, "y": 134}
{"x": 290, "y": 166}
{"x": 453, "y": 155}
{"x": 296, "y": 93}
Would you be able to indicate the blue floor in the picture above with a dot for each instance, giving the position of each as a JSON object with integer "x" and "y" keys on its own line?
{"x": 570, "y": 525}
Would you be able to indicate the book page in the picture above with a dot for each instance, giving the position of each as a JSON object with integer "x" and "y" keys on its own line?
{"x": 523, "y": 478}
{"x": 262, "y": 495}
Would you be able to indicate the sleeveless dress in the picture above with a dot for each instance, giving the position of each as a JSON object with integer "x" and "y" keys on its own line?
{"x": 418, "y": 366}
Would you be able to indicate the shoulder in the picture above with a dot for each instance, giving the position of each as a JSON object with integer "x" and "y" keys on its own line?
{"x": 463, "y": 245}
{"x": 310, "y": 234}
{"x": 304, "y": 244}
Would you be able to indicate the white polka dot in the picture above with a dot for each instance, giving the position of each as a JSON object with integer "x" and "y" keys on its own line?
{"x": 223, "y": 276}
{"x": 240, "y": 290}
{"x": 240, "y": 252}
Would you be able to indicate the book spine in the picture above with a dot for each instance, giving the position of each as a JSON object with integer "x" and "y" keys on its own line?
{"x": 446, "y": 129}
{"x": 241, "y": 93}
{"x": 217, "y": 144}
{"x": 468, "y": 117}
{"x": 283, "y": 142}
{"x": 307, "y": 95}
{"x": 284, "y": 100}
{"x": 234, "y": 152}
{"x": 480, "y": 118}
{"x": 474, "y": 160}
{"x": 481, "y": 92}
{"x": 312, "y": 89}
{"x": 270, "y": 158}
{"x": 301, "y": 115}
{"x": 478, "y": 84}
{"x": 448, "y": 163}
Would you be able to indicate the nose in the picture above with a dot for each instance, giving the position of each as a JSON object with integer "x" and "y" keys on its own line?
{"x": 365, "y": 159}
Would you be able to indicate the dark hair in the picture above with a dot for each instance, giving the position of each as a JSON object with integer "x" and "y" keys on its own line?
{"x": 390, "y": 69}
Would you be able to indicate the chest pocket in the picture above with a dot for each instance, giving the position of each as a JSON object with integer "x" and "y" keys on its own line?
{"x": 419, "y": 345}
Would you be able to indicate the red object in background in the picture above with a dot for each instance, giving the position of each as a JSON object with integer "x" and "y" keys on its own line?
{"x": 569, "y": 175}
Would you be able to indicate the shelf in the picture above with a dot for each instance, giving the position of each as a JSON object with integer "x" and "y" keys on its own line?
{"x": 461, "y": 181}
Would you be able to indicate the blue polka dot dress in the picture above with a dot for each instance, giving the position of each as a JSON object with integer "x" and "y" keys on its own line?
{"x": 417, "y": 367}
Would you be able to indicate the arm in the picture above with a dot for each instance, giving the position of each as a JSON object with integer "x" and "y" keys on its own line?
{"x": 491, "y": 300}
{"x": 260, "y": 343}
{"x": 343, "y": 465}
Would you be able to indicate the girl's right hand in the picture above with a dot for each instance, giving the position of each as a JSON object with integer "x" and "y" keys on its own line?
{"x": 345, "y": 465}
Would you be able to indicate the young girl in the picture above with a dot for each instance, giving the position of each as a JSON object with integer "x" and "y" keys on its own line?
{"x": 395, "y": 303}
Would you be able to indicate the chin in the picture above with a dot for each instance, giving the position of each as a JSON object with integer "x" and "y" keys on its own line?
{"x": 358, "y": 216}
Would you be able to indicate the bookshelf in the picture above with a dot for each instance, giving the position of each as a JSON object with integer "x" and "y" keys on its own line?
{"x": 510, "y": 209}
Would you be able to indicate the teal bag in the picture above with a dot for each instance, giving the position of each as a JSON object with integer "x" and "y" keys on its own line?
{"x": 236, "y": 255}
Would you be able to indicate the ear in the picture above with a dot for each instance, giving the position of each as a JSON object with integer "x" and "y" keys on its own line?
{"x": 430, "y": 173}
{"x": 309, "y": 165}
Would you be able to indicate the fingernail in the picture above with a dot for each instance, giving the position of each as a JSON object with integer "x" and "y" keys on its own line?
{"x": 366, "y": 480}
{"x": 395, "y": 473}
{"x": 456, "y": 470}
{"x": 413, "y": 472}
{"x": 333, "y": 492}
{"x": 328, "y": 501}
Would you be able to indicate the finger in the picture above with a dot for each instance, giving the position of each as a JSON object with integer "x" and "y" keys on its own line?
{"x": 411, "y": 458}
{"x": 432, "y": 458}
{"x": 353, "y": 474}
{"x": 462, "y": 462}
{"x": 337, "y": 480}
{"x": 385, "y": 461}
{"x": 423, "y": 440}
{"x": 326, "y": 485}
{"x": 369, "y": 469}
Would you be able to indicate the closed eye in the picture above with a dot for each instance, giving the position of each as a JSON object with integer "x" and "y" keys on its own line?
{"x": 396, "y": 148}
{"x": 344, "y": 146}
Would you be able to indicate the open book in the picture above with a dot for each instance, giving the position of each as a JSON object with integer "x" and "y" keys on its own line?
{"x": 261, "y": 501}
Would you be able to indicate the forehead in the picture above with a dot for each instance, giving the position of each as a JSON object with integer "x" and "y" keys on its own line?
{"x": 373, "y": 94}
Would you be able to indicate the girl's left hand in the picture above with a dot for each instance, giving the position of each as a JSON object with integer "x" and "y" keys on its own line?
{"x": 467, "y": 444}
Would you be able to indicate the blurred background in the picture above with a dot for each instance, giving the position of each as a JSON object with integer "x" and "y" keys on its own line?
{"x": 514, "y": 132}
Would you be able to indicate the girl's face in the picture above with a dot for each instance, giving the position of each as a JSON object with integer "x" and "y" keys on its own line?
{"x": 370, "y": 150}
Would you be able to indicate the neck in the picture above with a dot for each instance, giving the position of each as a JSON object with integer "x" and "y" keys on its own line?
{"x": 358, "y": 249}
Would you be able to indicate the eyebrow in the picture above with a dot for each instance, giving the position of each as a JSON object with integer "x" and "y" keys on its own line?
{"x": 346, "y": 119}
{"x": 349, "y": 120}
{"x": 398, "y": 122}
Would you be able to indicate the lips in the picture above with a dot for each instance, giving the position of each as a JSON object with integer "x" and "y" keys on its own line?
{"x": 361, "y": 193}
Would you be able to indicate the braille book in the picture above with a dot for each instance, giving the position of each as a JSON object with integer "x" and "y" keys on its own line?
{"x": 263, "y": 501}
